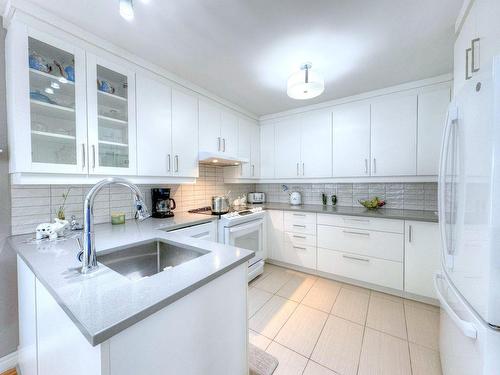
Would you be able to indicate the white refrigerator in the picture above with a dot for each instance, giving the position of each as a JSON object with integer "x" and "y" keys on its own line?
{"x": 468, "y": 286}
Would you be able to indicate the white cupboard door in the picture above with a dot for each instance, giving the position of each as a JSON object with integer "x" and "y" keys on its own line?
{"x": 394, "y": 136}
{"x": 255, "y": 152}
{"x": 275, "y": 235}
{"x": 432, "y": 108}
{"x": 154, "y": 135}
{"x": 351, "y": 140}
{"x": 111, "y": 122}
{"x": 210, "y": 122}
{"x": 267, "y": 144}
{"x": 422, "y": 257}
{"x": 229, "y": 133}
{"x": 316, "y": 144}
{"x": 245, "y": 148}
{"x": 287, "y": 156}
{"x": 184, "y": 134}
{"x": 54, "y": 137}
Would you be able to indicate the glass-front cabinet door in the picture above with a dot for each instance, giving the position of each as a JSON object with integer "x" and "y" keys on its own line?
{"x": 57, "y": 105}
{"x": 111, "y": 111}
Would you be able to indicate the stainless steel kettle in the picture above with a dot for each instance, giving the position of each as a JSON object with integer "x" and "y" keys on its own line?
{"x": 220, "y": 204}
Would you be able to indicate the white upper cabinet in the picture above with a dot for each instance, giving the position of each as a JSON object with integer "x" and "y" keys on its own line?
{"x": 267, "y": 155}
{"x": 154, "y": 122}
{"x": 394, "y": 135}
{"x": 255, "y": 152}
{"x": 218, "y": 129}
{"x": 316, "y": 144}
{"x": 210, "y": 117}
{"x": 351, "y": 140}
{"x": 46, "y": 96}
{"x": 229, "y": 133}
{"x": 184, "y": 134}
{"x": 287, "y": 156}
{"x": 111, "y": 117}
{"x": 432, "y": 109}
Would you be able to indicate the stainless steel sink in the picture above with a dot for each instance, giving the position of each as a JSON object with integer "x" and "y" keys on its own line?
{"x": 146, "y": 259}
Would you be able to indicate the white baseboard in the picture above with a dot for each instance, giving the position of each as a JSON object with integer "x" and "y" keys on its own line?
{"x": 8, "y": 362}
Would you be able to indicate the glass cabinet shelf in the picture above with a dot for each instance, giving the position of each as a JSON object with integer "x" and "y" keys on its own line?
{"x": 53, "y": 135}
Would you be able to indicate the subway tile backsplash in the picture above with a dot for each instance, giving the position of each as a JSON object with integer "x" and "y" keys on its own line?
{"x": 35, "y": 204}
{"x": 414, "y": 196}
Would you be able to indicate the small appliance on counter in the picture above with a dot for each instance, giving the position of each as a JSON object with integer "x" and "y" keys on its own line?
{"x": 295, "y": 198}
{"x": 162, "y": 203}
{"x": 256, "y": 198}
{"x": 220, "y": 204}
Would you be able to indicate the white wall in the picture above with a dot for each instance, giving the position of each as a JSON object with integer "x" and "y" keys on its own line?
{"x": 8, "y": 282}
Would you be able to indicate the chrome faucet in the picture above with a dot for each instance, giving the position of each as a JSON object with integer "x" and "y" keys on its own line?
{"x": 87, "y": 254}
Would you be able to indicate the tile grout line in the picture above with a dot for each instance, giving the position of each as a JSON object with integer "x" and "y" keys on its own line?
{"x": 408, "y": 336}
{"x": 364, "y": 332}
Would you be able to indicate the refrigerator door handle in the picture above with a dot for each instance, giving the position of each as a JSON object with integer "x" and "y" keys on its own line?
{"x": 467, "y": 328}
{"x": 451, "y": 118}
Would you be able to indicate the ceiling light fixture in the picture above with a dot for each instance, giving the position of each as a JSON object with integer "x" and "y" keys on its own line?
{"x": 305, "y": 84}
{"x": 127, "y": 9}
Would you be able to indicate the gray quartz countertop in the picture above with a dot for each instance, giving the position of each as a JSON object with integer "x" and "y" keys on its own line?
{"x": 385, "y": 213}
{"x": 104, "y": 302}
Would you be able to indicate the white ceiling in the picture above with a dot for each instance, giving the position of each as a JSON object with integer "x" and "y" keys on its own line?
{"x": 244, "y": 50}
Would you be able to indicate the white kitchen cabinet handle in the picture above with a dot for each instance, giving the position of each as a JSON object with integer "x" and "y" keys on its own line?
{"x": 468, "y": 54}
{"x": 374, "y": 165}
{"x": 366, "y": 166}
{"x": 301, "y": 237}
{"x": 199, "y": 235}
{"x": 355, "y": 258}
{"x": 93, "y": 156}
{"x": 357, "y": 233}
{"x": 83, "y": 156}
{"x": 169, "y": 163}
{"x": 223, "y": 144}
{"x": 467, "y": 328}
{"x": 303, "y": 169}
{"x": 297, "y": 169}
{"x": 299, "y": 226}
{"x": 218, "y": 143}
{"x": 475, "y": 45}
{"x": 299, "y": 248}
{"x": 410, "y": 233}
{"x": 177, "y": 163}
{"x": 302, "y": 215}
{"x": 357, "y": 220}
{"x": 253, "y": 170}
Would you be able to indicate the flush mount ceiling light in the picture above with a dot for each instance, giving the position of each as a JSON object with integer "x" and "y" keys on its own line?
{"x": 305, "y": 84}
{"x": 127, "y": 9}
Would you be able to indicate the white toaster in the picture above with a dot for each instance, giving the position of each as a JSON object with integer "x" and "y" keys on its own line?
{"x": 256, "y": 197}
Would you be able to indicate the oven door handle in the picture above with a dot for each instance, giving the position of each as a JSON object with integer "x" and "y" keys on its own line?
{"x": 244, "y": 227}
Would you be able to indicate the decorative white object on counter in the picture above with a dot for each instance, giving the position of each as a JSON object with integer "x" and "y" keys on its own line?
{"x": 295, "y": 198}
{"x": 51, "y": 230}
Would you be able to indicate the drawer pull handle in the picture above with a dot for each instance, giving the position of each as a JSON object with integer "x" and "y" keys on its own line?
{"x": 355, "y": 258}
{"x": 303, "y": 215}
{"x": 358, "y": 233}
{"x": 299, "y": 226}
{"x": 358, "y": 220}
{"x": 299, "y": 248}
{"x": 301, "y": 237}
{"x": 201, "y": 234}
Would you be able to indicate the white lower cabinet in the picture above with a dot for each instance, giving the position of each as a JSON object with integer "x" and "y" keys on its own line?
{"x": 299, "y": 255}
{"x": 422, "y": 257}
{"x": 274, "y": 234}
{"x": 206, "y": 231}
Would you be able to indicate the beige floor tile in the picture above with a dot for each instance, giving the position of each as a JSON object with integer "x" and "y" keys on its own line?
{"x": 322, "y": 295}
{"x": 351, "y": 305}
{"x": 268, "y": 268}
{"x": 383, "y": 355}
{"x": 290, "y": 363}
{"x": 424, "y": 361}
{"x": 297, "y": 287}
{"x": 256, "y": 299}
{"x": 339, "y": 346}
{"x": 390, "y": 297}
{"x": 313, "y": 368}
{"x": 423, "y": 326}
{"x": 258, "y": 340}
{"x": 272, "y": 316}
{"x": 356, "y": 288}
{"x": 301, "y": 332}
{"x": 387, "y": 316}
{"x": 274, "y": 281}
{"x": 425, "y": 306}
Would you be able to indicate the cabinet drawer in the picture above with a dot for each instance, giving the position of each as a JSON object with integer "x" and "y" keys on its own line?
{"x": 299, "y": 255}
{"x": 300, "y": 239}
{"x": 385, "y": 225}
{"x": 300, "y": 217}
{"x": 382, "y": 245}
{"x": 371, "y": 270}
{"x": 306, "y": 228}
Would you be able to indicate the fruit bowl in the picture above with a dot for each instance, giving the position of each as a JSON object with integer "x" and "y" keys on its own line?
{"x": 372, "y": 204}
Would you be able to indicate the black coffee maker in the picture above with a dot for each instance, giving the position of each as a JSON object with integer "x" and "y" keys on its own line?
{"x": 162, "y": 203}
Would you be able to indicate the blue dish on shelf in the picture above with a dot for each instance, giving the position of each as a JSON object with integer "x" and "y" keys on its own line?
{"x": 37, "y": 62}
{"x": 39, "y": 97}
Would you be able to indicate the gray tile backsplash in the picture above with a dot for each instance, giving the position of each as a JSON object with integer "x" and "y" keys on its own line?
{"x": 35, "y": 204}
{"x": 414, "y": 196}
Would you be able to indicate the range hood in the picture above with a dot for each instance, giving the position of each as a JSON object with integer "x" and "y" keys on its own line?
{"x": 220, "y": 159}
